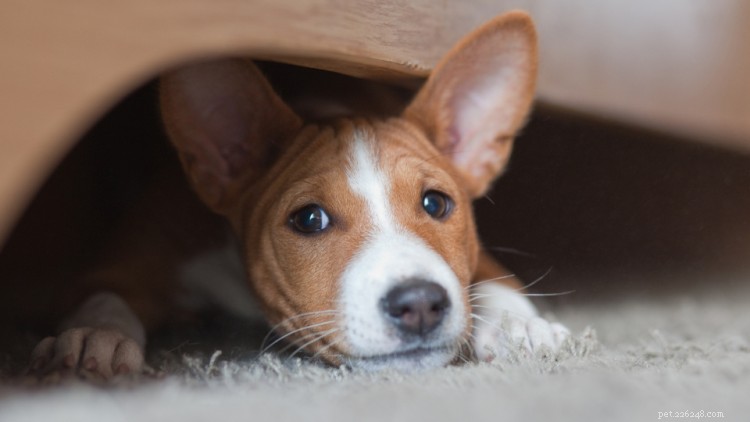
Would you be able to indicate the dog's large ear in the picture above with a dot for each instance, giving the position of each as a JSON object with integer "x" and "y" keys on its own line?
{"x": 226, "y": 122}
{"x": 478, "y": 97}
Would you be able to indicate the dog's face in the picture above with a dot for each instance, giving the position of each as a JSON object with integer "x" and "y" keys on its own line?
{"x": 344, "y": 224}
{"x": 358, "y": 234}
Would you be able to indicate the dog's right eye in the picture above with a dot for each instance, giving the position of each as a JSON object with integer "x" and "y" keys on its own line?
{"x": 437, "y": 204}
{"x": 309, "y": 219}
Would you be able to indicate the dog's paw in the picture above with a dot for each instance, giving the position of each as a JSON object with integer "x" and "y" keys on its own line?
{"x": 507, "y": 324}
{"x": 91, "y": 352}
{"x": 503, "y": 335}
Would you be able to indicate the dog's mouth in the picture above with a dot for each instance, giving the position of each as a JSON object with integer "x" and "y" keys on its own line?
{"x": 414, "y": 359}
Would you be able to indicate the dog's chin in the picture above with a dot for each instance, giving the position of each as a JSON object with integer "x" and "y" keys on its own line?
{"x": 413, "y": 360}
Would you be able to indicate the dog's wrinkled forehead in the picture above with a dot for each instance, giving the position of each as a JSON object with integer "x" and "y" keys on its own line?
{"x": 389, "y": 166}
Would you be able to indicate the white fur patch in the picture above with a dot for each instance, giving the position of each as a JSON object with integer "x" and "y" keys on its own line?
{"x": 506, "y": 322}
{"x": 390, "y": 255}
{"x": 218, "y": 278}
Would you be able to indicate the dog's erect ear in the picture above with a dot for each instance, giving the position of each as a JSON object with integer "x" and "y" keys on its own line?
{"x": 478, "y": 96}
{"x": 226, "y": 122}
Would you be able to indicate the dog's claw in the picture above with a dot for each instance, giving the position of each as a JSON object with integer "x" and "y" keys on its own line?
{"x": 122, "y": 369}
{"x": 103, "y": 353}
{"x": 90, "y": 363}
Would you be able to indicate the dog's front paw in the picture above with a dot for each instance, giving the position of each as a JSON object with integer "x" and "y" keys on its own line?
{"x": 506, "y": 324}
{"x": 503, "y": 335}
{"x": 97, "y": 352}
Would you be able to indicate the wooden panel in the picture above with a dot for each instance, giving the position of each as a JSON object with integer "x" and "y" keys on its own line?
{"x": 65, "y": 62}
{"x": 681, "y": 66}
{"x": 676, "y": 65}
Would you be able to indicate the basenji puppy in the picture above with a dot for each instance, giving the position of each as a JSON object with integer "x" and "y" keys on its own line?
{"x": 354, "y": 234}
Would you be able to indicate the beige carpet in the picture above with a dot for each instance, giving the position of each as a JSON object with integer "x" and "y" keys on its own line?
{"x": 629, "y": 360}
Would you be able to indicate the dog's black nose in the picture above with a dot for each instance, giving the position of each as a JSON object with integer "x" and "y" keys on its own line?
{"x": 416, "y": 307}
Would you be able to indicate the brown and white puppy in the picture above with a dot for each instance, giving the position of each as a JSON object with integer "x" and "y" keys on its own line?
{"x": 356, "y": 234}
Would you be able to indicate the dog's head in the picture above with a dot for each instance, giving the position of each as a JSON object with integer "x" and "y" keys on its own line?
{"x": 358, "y": 235}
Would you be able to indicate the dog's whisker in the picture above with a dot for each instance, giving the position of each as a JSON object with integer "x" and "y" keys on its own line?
{"x": 469, "y": 341}
{"x": 460, "y": 356}
{"x": 476, "y": 296}
{"x": 501, "y": 310}
{"x": 540, "y": 278}
{"x": 512, "y": 251}
{"x": 325, "y": 348}
{"x": 286, "y": 335}
{"x": 464, "y": 345}
{"x": 296, "y": 342}
{"x": 567, "y": 292}
{"x": 307, "y": 315}
{"x": 486, "y": 321}
{"x": 489, "y": 280}
{"x": 322, "y": 335}
{"x": 502, "y": 277}
{"x": 312, "y": 314}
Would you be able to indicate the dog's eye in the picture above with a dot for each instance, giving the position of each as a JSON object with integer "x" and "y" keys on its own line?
{"x": 309, "y": 219}
{"x": 437, "y": 204}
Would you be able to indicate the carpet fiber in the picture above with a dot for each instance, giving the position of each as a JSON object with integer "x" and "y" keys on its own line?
{"x": 628, "y": 361}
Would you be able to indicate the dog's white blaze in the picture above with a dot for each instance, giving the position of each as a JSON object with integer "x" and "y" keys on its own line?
{"x": 389, "y": 255}
{"x": 367, "y": 181}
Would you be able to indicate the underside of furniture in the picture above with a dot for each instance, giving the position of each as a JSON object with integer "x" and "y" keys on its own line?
{"x": 677, "y": 66}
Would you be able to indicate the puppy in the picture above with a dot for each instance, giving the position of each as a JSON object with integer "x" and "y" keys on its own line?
{"x": 354, "y": 234}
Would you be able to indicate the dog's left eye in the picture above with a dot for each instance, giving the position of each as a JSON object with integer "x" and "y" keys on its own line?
{"x": 310, "y": 219}
{"x": 437, "y": 204}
